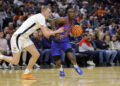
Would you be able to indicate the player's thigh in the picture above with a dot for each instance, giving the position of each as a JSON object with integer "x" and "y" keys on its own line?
{"x": 30, "y": 47}
{"x": 32, "y": 50}
{"x": 66, "y": 46}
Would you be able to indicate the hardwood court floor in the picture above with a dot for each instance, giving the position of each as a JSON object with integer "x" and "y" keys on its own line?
{"x": 98, "y": 76}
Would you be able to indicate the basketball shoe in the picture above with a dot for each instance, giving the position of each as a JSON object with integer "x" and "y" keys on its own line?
{"x": 78, "y": 70}
{"x": 62, "y": 74}
{"x": 28, "y": 76}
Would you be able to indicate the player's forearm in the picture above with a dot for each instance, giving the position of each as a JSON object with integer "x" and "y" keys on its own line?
{"x": 51, "y": 32}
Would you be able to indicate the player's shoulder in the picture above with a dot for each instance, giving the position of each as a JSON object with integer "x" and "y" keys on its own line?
{"x": 39, "y": 14}
{"x": 61, "y": 20}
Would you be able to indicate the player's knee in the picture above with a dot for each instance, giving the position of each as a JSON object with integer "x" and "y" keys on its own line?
{"x": 36, "y": 55}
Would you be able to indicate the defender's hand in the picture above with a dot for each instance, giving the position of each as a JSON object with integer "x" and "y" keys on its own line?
{"x": 60, "y": 30}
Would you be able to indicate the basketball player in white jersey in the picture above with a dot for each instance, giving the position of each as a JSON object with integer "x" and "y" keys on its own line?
{"x": 20, "y": 40}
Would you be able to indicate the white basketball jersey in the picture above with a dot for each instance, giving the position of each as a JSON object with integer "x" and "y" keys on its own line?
{"x": 30, "y": 25}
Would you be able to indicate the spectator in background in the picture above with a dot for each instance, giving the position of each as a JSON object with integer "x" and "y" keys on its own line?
{"x": 116, "y": 45}
{"x": 2, "y": 14}
{"x": 63, "y": 5}
{"x": 89, "y": 29}
{"x": 4, "y": 48}
{"x": 84, "y": 22}
{"x": 100, "y": 52}
{"x": 96, "y": 22}
{"x": 5, "y": 31}
{"x": 91, "y": 21}
{"x": 100, "y": 11}
{"x": 112, "y": 29}
{"x": 11, "y": 28}
{"x": 3, "y": 44}
{"x": 102, "y": 29}
{"x": 76, "y": 8}
{"x": 20, "y": 21}
{"x": 83, "y": 10}
{"x": 85, "y": 47}
{"x": 111, "y": 49}
{"x": 102, "y": 45}
{"x": 55, "y": 13}
{"x": 79, "y": 17}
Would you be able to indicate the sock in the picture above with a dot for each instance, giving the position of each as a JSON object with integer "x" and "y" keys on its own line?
{"x": 61, "y": 68}
{"x": 26, "y": 71}
{"x": 1, "y": 56}
{"x": 75, "y": 66}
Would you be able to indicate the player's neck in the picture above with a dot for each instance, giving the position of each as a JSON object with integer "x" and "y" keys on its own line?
{"x": 70, "y": 20}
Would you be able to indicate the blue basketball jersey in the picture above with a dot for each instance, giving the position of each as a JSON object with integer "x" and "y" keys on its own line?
{"x": 67, "y": 30}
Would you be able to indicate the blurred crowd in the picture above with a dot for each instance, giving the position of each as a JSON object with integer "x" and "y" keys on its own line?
{"x": 100, "y": 20}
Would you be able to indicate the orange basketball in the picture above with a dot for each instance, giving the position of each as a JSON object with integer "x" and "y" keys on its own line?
{"x": 76, "y": 30}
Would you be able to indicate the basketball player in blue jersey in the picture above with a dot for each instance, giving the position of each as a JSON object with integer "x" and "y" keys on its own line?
{"x": 62, "y": 42}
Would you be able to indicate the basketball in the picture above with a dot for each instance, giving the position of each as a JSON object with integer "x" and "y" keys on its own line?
{"x": 76, "y": 30}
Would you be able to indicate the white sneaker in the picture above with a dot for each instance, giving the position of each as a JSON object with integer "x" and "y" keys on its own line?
{"x": 1, "y": 57}
{"x": 52, "y": 65}
{"x": 37, "y": 66}
{"x": 91, "y": 63}
{"x": 4, "y": 66}
{"x": 11, "y": 66}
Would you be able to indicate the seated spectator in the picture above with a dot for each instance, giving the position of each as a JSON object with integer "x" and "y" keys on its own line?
{"x": 89, "y": 29}
{"x": 20, "y": 21}
{"x": 4, "y": 47}
{"x": 79, "y": 17}
{"x": 116, "y": 45}
{"x": 102, "y": 45}
{"x": 111, "y": 49}
{"x": 46, "y": 50}
{"x": 85, "y": 47}
{"x": 84, "y": 22}
{"x": 100, "y": 11}
{"x": 5, "y": 31}
{"x": 11, "y": 28}
{"x": 83, "y": 10}
{"x": 55, "y": 13}
{"x": 112, "y": 29}
{"x": 96, "y": 22}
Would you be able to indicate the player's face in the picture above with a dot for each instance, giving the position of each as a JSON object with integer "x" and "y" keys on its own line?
{"x": 1, "y": 34}
{"x": 71, "y": 13}
{"x": 48, "y": 13}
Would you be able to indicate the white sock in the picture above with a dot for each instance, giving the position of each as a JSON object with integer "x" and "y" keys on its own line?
{"x": 26, "y": 71}
{"x": 61, "y": 68}
{"x": 75, "y": 66}
{"x": 1, "y": 56}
